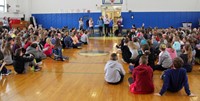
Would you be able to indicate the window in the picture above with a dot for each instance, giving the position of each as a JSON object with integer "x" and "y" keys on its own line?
{"x": 3, "y": 6}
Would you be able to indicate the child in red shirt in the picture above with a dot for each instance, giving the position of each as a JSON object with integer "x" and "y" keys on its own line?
{"x": 142, "y": 80}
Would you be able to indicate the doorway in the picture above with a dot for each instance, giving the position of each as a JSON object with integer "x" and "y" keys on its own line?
{"x": 113, "y": 11}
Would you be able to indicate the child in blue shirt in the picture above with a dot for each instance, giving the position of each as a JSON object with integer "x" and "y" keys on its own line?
{"x": 175, "y": 79}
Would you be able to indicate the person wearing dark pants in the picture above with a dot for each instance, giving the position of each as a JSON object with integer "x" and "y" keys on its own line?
{"x": 100, "y": 25}
{"x": 119, "y": 24}
{"x": 111, "y": 26}
{"x": 106, "y": 24}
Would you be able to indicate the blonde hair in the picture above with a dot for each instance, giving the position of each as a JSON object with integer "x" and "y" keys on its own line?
{"x": 131, "y": 45}
{"x": 163, "y": 47}
{"x": 48, "y": 40}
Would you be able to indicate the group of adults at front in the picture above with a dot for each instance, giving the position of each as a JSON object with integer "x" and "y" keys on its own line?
{"x": 105, "y": 23}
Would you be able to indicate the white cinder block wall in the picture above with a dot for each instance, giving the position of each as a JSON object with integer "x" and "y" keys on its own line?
{"x": 29, "y": 7}
{"x": 64, "y": 6}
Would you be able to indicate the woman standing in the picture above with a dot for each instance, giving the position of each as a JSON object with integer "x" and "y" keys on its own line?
{"x": 91, "y": 27}
{"x": 80, "y": 23}
{"x": 6, "y": 23}
{"x": 100, "y": 24}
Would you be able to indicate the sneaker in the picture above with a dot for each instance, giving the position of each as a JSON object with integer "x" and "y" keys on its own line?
{"x": 7, "y": 73}
{"x": 37, "y": 68}
{"x": 63, "y": 59}
{"x": 39, "y": 63}
{"x": 79, "y": 47}
{"x": 66, "y": 58}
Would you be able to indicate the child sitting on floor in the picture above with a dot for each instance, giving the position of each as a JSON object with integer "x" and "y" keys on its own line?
{"x": 3, "y": 69}
{"x": 175, "y": 79}
{"x": 23, "y": 61}
{"x": 114, "y": 71}
{"x": 141, "y": 81}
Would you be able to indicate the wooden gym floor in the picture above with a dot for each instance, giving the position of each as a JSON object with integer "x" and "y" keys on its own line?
{"x": 82, "y": 79}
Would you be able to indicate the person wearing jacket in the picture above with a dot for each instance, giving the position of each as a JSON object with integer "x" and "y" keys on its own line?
{"x": 126, "y": 53}
{"x": 141, "y": 81}
{"x": 33, "y": 49}
{"x": 23, "y": 61}
{"x": 114, "y": 71}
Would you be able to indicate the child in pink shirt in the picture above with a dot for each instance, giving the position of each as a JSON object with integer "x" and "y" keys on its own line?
{"x": 171, "y": 51}
{"x": 48, "y": 47}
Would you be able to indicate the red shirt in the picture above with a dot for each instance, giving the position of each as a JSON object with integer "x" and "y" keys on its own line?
{"x": 49, "y": 51}
{"x": 143, "y": 80}
{"x": 27, "y": 44}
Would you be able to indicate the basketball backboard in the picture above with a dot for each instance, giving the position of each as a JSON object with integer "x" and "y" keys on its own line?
{"x": 112, "y": 1}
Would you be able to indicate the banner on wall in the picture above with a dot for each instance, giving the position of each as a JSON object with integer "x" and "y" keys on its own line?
{"x": 112, "y": 1}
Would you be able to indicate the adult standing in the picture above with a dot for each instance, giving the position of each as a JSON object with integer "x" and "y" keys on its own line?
{"x": 111, "y": 26}
{"x": 80, "y": 23}
{"x": 91, "y": 27}
{"x": 6, "y": 23}
{"x": 106, "y": 24}
{"x": 100, "y": 25}
{"x": 119, "y": 24}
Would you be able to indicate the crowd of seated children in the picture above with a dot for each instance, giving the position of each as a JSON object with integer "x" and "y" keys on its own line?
{"x": 114, "y": 71}
{"x": 39, "y": 43}
{"x": 163, "y": 46}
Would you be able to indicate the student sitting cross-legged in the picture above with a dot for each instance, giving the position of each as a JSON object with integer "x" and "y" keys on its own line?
{"x": 114, "y": 71}
{"x": 3, "y": 69}
{"x": 23, "y": 61}
{"x": 175, "y": 79}
{"x": 141, "y": 81}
